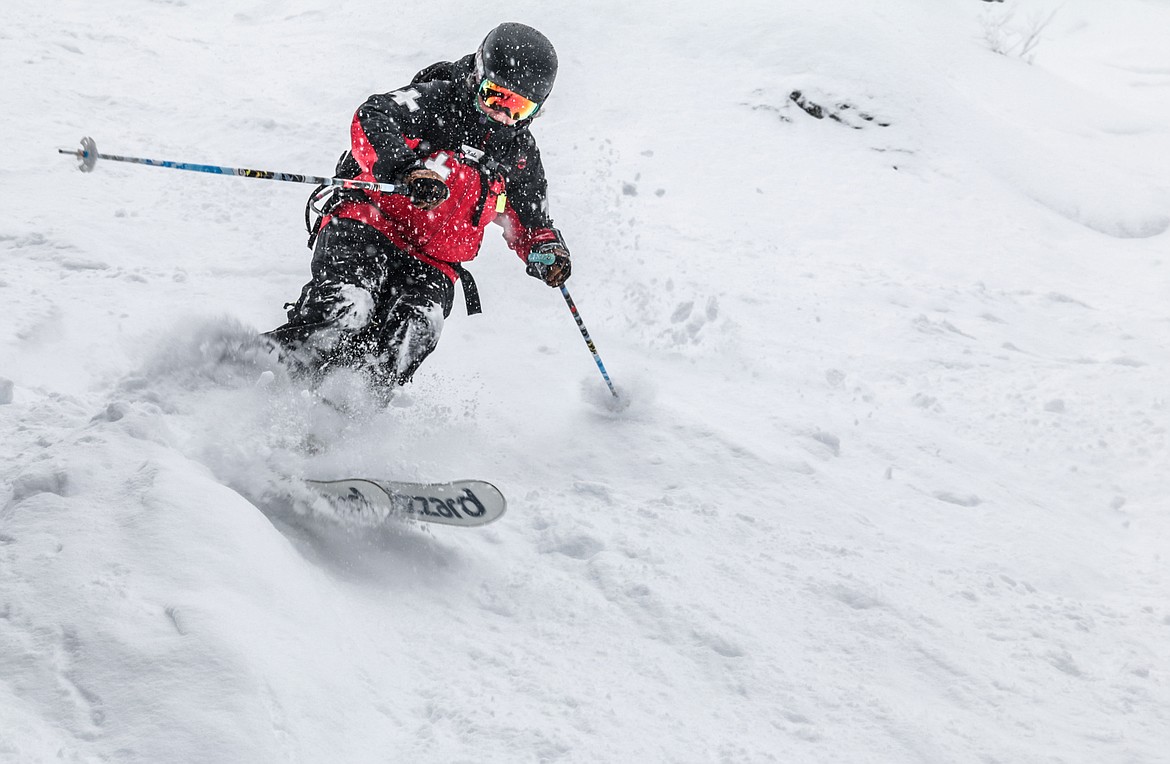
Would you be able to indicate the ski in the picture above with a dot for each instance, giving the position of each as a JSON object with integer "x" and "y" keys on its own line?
{"x": 467, "y": 503}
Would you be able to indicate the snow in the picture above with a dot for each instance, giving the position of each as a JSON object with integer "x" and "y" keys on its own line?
{"x": 890, "y": 481}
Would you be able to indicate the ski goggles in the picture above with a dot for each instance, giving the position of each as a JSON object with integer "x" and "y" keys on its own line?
{"x": 499, "y": 97}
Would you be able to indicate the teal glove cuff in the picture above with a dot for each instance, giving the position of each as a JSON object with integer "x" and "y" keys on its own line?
{"x": 545, "y": 258}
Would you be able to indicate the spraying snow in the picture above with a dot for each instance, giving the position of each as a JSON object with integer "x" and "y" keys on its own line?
{"x": 885, "y": 310}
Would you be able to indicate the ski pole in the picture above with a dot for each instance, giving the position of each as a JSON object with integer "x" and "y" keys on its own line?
{"x": 588, "y": 341}
{"x": 88, "y": 154}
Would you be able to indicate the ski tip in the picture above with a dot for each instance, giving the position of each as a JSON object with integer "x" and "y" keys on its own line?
{"x": 466, "y": 503}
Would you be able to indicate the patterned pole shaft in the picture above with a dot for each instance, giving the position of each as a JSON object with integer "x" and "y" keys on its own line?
{"x": 588, "y": 341}
{"x": 88, "y": 154}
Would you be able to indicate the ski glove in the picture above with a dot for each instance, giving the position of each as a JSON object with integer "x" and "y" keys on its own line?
{"x": 549, "y": 262}
{"x": 425, "y": 188}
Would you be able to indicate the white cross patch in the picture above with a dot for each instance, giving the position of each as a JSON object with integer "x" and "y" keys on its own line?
{"x": 407, "y": 98}
{"x": 438, "y": 163}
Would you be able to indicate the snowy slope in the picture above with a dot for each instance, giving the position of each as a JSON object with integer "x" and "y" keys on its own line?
{"x": 893, "y": 484}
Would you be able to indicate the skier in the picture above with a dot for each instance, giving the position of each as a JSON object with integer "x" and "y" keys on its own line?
{"x": 457, "y": 141}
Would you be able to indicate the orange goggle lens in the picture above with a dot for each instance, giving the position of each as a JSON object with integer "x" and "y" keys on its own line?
{"x": 499, "y": 97}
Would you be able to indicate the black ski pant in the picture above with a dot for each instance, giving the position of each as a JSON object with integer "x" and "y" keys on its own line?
{"x": 369, "y": 305}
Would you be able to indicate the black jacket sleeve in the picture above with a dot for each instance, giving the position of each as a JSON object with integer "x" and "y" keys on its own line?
{"x": 378, "y": 129}
{"x": 527, "y": 186}
{"x": 526, "y": 220}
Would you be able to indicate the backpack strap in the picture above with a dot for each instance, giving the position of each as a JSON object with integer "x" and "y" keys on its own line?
{"x": 470, "y": 290}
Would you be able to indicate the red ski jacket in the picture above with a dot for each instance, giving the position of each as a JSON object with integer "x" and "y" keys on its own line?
{"x": 493, "y": 172}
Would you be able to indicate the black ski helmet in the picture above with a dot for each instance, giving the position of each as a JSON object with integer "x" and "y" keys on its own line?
{"x": 519, "y": 58}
